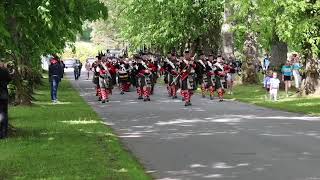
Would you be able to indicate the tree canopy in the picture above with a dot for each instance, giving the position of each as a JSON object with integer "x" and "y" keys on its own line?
{"x": 30, "y": 29}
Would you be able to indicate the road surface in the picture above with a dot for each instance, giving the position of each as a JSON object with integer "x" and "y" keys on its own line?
{"x": 211, "y": 140}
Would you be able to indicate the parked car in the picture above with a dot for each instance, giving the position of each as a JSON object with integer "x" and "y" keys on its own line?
{"x": 69, "y": 62}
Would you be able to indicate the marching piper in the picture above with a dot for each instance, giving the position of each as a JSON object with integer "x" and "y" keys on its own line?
{"x": 187, "y": 80}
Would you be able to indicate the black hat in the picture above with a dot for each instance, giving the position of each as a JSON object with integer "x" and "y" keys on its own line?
{"x": 187, "y": 50}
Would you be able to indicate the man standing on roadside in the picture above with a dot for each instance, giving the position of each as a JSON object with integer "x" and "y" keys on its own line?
{"x": 55, "y": 75}
{"x": 4, "y": 100}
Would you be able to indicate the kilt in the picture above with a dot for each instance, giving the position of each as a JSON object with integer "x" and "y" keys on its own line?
{"x": 105, "y": 82}
{"x": 220, "y": 82}
{"x": 208, "y": 81}
{"x": 188, "y": 83}
{"x": 145, "y": 80}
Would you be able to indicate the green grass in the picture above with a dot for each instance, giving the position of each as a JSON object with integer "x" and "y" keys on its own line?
{"x": 63, "y": 141}
{"x": 255, "y": 94}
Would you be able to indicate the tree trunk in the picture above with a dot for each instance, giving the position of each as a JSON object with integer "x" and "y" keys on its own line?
{"x": 279, "y": 51}
{"x": 311, "y": 83}
{"x": 227, "y": 34}
{"x": 249, "y": 75}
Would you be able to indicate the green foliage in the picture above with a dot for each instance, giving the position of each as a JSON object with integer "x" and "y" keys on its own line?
{"x": 295, "y": 22}
{"x": 30, "y": 29}
{"x": 82, "y": 51}
{"x": 168, "y": 24}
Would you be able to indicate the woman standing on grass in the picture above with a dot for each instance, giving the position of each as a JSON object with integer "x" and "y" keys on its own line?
{"x": 296, "y": 71}
{"x": 287, "y": 76}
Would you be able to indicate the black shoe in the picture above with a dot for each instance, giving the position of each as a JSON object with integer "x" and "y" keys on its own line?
{"x": 145, "y": 99}
{"x": 107, "y": 100}
{"x": 148, "y": 99}
{"x": 221, "y": 100}
{"x": 99, "y": 99}
{"x": 211, "y": 98}
{"x": 203, "y": 96}
{"x": 103, "y": 101}
{"x": 182, "y": 99}
{"x": 122, "y": 93}
{"x": 174, "y": 97}
{"x": 140, "y": 97}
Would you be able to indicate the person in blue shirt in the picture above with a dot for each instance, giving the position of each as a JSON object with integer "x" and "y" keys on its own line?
{"x": 287, "y": 76}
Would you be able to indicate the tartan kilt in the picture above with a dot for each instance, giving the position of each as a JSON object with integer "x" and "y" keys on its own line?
{"x": 145, "y": 80}
{"x": 105, "y": 82}
{"x": 220, "y": 82}
{"x": 172, "y": 78}
{"x": 188, "y": 83}
{"x": 95, "y": 80}
{"x": 211, "y": 80}
{"x": 165, "y": 77}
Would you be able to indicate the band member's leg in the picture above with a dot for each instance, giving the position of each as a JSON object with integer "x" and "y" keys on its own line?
{"x": 203, "y": 90}
{"x": 220, "y": 93}
{"x": 211, "y": 89}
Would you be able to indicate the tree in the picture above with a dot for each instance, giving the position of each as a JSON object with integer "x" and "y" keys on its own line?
{"x": 298, "y": 25}
{"x": 36, "y": 28}
{"x": 168, "y": 24}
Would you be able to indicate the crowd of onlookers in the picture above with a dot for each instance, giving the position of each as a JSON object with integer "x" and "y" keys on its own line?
{"x": 290, "y": 71}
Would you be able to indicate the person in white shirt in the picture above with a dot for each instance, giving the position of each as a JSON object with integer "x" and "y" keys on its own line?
{"x": 274, "y": 86}
{"x": 296, "y": 71}
{"x": 88, "y": 69}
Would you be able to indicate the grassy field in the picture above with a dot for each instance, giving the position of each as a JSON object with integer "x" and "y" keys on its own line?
{"x": 255, "y": 94}
{"x": 63, "y": 141}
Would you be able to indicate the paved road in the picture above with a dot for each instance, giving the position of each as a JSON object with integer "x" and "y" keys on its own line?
{"x": 212, "y": 140}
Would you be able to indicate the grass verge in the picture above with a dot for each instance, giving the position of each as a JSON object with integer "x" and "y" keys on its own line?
{"x": 255, "y": 94}
{"x": 63, "y": 141}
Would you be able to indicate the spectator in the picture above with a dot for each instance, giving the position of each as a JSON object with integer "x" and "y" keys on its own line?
{"x": 274, "y": 86}
{"x": 266, "y": 63}
{"x": 266, "y": 81}
{"x": 62, "y": 66}
{"x": 287, "y": 76}
{"x": 231, "y": 76}
{"x": 296, "y": 71}
{"x": 55, "y": 75}
{"x": 76, "y": 67}
{"x": 4, "y": 100}
{"x": 80, "y": 67}
{"x": 88, "y": 69}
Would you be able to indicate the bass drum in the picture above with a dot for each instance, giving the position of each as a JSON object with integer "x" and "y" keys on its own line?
{"x": 123, "y": 76}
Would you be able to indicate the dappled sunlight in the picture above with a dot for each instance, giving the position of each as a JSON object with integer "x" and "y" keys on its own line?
{"x": 179, "y": 121}
{"x": 306, "y": 104}
{"x": 75, "y": 122}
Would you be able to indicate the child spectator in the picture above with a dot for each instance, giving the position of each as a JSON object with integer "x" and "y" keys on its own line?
{"x": 274, "y": 86}
{"x": 266, "y": 81}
